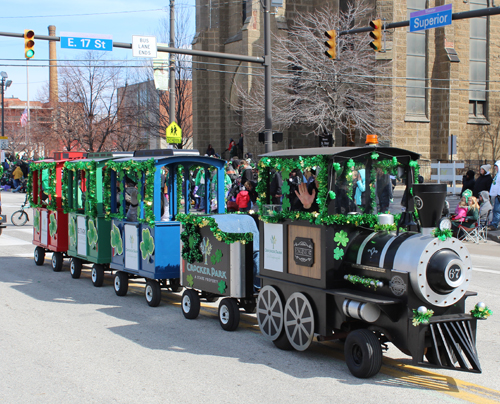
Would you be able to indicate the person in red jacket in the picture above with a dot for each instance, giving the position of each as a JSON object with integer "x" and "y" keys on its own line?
{"x": 243, "y": 200}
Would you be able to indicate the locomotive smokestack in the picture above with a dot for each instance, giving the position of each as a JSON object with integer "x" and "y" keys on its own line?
{"x": 429, "y": 201}
{"x": 53, "y": 90}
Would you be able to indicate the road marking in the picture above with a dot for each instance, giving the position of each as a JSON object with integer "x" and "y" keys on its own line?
{"x": 6, "y": 240}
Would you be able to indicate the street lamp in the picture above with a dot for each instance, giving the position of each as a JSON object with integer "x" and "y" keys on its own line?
{"x": 5, "y": 84}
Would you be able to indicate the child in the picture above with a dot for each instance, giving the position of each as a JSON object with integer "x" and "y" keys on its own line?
{"x": 461, "y": 210}
{"x": 243, "y": 200}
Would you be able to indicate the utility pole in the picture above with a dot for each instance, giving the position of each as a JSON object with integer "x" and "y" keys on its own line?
{"x": 172, "y": 63}
{"x": 28, "y": 98}
{"x": 268, "y": 99}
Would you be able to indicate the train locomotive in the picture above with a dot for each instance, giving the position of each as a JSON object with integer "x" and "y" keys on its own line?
{"x": 342, "y": 271}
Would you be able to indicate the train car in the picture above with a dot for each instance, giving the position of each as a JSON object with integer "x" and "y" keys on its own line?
{"x": 145, "y": 237}
{"x": 88, "y": 228}
{"x": 347, "y": 263}
{"x": 50, "y": 223}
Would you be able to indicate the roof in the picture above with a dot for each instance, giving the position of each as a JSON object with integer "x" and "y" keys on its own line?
{"x": 343, "y": 152}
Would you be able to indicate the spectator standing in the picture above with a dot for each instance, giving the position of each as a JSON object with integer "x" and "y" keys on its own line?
{"x": 17, "y": 175}
{"x": 240, "y": 146}
{"x": 495, "y": 196}
{"x": 243, "y": 200}
{"x": 275, "y": 188}
{"x": 233, "y": 150}
{"x": 246, "y": 172}
{"x": 210, "y": 151}
{"x": 468, "y": 181}
{"x": 483, "y": 181}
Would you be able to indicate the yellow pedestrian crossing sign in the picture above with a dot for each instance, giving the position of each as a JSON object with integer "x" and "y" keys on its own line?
{"x": 174, "y": 133}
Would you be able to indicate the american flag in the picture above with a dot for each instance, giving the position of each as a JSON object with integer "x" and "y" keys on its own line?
{"x": 24, "y": 118}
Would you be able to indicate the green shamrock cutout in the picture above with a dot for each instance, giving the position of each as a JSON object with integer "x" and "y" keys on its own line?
{"x": 72, "y": 231}
{"x": 190, "y": 280}
{"x": 217, "y": 257}
{"x": 222, "y": 287}
{"x": 286, "y": 204}
{"x": 375, "y": 156}
{"x": 52, "y": 225}
{"x": 338, "y": 253}
{"x": 116, "y": 240}
{"x": 341, "y": 238}
{"x": 332, "y": 195}
{"x": 147, "y": 245}
{"x": 92, "y": 234}
{"x": 191, "y": 242}
{"x": 285, "y": 188}
{"x": 36, "y": 221}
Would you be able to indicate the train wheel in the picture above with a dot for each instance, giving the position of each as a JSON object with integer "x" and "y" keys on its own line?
{"x": 190, "y": 304}
{"x": 57, "y": 261}
{"x": 39, "y": 255}
{"x": 229, "y": 314}
{"x": 270, "y": 312}
{"x": 97, "y": 275}
{"x": 121, "y": 283}
{"x": 152, "y": 293}
{"x": 363, "y": 353}
{"x": 75, "y": 268}
{"x": 299, "y": 321}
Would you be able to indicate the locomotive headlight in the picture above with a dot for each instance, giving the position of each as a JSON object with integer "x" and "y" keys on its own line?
{"x": 445, "y": 271}
{"x": 444, "y": 224}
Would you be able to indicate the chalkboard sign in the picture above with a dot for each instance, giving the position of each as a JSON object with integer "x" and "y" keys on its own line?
{"x": 303, "y": 251}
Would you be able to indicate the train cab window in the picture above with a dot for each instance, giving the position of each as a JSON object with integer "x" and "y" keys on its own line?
{"x": 165, "y": 185}
{"x": 203, "y": 190}
{"x": 351, "y": 190}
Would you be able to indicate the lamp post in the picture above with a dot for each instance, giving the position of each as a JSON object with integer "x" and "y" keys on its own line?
{"x": 5, "y": 84}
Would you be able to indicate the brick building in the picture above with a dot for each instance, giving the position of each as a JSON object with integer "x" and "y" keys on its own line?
{"x": 442, "y": 81}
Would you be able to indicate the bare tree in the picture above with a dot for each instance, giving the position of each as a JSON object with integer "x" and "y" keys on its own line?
{"x": 311, "y": 90}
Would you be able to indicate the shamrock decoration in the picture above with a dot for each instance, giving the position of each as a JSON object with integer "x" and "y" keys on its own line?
{"x": 72, "y": 231}
{"x": 350, "y": 163}
{"x": 147, "y": 245}
{"x": 286, "y": 204}
{"x": 36, "y": 221}
{"x": 413, "y": 163}
{"x": 222, "y": 287}
{"x": 338, "y": 253}
{"x": 52, "y": 225}
{"x": 217, "y": 257}
{"x": 190, "y": 280}
{"x": 116, "y": 240}
{"x": 341, "y": 238}
{"x": 332, "y": 195}
{"x": 336, "y": 166}
{"x": 395, "y": 161}
{"x": 285, "y": 188}
{"x": 92, "y": 234}
{"x": 375, "y": 156}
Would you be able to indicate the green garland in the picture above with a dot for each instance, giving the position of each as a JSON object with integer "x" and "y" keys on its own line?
{"x": 202, "y": 221}
{"x": 51, "y": 191}
{"x": 481, "y": 311}
{"x": 421, "y": 316}
{"x": 191, "y": 240}
{"x": 362, "y": 280}
{"x": 179, "y": 189}
{"x": 106, "y": 191}
{"x": 442, "y": 234}
{"x": 135, "y": 169}
{"x": 90, "y": 168}
{"x": 1, "y": 171}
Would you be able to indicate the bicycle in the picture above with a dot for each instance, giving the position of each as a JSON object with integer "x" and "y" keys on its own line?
{"x": 20, "y": 217}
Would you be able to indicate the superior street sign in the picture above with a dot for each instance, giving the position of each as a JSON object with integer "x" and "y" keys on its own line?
{"x": 143, "y": 46}
{"x": 430, "y": 18}
{"x": 76, "y": 40}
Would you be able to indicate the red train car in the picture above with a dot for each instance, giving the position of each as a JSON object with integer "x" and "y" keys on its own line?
{"x": 50, "y": 229}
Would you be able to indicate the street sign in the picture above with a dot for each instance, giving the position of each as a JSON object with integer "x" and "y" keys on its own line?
{"x": 143, "y": 46}
{"x": 75, "y": 40}
{"x": 4, "y": 142}
{"x": 174, "y": 133}
{"x": 430, "y": 18}
{"x": 161, "y": 72}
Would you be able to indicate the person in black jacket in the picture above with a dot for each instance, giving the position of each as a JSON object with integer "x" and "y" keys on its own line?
{"x": 210, "y": 151}
{"x": 275, "y": 188}
{"x": 468, "y": 181}
{"x": 484, "y": 181}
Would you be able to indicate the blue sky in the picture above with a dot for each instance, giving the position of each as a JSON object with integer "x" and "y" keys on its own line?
{"x": 68, "y": 17}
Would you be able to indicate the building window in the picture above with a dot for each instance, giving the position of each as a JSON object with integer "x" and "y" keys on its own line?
{"x": 415, "y": 65}
{"x": 478, "y": 62}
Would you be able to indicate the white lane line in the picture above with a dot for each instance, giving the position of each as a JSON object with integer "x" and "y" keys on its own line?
{"x": 490, "y": 271}
{"x": 6, "y": 240}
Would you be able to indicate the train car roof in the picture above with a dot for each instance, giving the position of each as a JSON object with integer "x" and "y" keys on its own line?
{"x": 161, "y": 153}
{"x": 346, "y": 152}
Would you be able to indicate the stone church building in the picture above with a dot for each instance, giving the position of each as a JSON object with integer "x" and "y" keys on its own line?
{"x": 442, "y": 81}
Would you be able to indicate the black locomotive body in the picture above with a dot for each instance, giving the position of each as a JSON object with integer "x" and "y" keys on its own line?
{"x": 336, "y": 273}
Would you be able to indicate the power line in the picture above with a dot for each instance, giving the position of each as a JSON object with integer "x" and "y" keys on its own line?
{"x": 85, "y": 14}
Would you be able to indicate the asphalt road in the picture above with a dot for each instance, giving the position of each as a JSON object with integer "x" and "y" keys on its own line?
{"x": 63, "y": 340}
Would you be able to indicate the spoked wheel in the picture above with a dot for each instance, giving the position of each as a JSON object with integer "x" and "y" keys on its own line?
{"x": 190, "y": 304}
{"x": 57, "y": 261}
{"x": 39, "y": 255}
{"x": 19, "y": 218}
{"x": 363, "y": 353}
{"x": 152, "y": 292}
{"x": 121, "y": 283}
{"x": 229, "y": 314}
{"x": 174, "y": 285}
{"x": 97, "y": 275}
{"x": 75, "y": 268}
{"x": 299, "y": 321}
{"x": 270, "y": 312}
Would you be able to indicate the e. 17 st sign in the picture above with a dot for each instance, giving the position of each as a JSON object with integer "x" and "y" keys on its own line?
{"x": 75, "y": 40}
{"x": 430, "y": 18}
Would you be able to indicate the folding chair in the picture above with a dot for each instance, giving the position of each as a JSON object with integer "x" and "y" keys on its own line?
{"x": 469, "y": 233}
{"x": 482, "y": 228}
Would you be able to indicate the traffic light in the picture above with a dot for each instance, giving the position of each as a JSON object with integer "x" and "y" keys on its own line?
{"x": 376, "y": 34}
{"x": 331, "y": 44}
{"x": 29, "y": 43}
